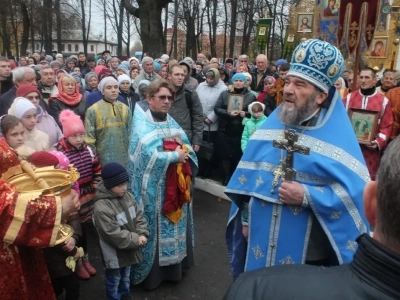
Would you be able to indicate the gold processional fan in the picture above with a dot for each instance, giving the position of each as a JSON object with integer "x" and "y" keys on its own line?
{"x": 32, "y": 183}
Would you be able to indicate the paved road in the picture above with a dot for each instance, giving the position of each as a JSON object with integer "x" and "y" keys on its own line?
{"x": 207, "y": 280}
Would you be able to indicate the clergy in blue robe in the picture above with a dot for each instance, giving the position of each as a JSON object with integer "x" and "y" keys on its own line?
{"x": 316, "y": 217}
{"x": 169, "y": 248}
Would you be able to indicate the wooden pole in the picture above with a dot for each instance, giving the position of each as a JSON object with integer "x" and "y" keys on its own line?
{"x": 356, "y": 67}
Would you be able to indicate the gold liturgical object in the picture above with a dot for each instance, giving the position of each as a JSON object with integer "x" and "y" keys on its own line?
{"x": 33, "y": 183}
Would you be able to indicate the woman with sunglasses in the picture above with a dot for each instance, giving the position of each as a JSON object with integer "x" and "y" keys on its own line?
{"x": 45, "y": 122}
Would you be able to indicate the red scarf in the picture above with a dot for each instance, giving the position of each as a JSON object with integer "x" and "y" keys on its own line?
{"x": 177, "y": 186}
{"x": 70, "y": 100}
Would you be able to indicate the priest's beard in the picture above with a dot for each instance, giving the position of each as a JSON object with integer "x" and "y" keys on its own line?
{"x": 295, "y": 115}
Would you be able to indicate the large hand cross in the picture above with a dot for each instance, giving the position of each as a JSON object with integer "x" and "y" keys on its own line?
{"x": 290, "y": 145}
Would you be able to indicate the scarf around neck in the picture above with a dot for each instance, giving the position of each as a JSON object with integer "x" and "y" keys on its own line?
{"x": 70, "y": 100}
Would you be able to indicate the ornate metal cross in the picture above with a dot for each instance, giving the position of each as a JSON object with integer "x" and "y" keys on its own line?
{"x": 291, "y": 147}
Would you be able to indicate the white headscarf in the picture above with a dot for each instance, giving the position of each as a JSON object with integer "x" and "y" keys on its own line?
{"x": 123, "y": 77}
{"x": 20, "y": 106}
{"x": 104, "y": 81}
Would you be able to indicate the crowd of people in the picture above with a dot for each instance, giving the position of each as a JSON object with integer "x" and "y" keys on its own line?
{"x": 134, "y": 130}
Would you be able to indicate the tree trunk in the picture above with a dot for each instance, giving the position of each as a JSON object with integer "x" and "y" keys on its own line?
{"x": 4, "y": 33}
{"x": 83, "y": 26}
{"x": 232, "y": 37}
{"x": 57, "y": 11}
{"x": 26, "y": 24}
{"x": 14, "y": 25}
{"x": 175, "y": 33}
{"x": 149, "y": 14}
{"x": 247, "y": 33}
{"x": 128, "y": 29}
{"x": 32, "y": 29}
{"x": 166, "y": 26}
{"x": 120, "y": 29}
{"x": 225, "y": 27}
{"x": 105, "y": 24}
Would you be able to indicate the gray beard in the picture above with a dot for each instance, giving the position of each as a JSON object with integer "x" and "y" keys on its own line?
{"x": 297, "y": 114}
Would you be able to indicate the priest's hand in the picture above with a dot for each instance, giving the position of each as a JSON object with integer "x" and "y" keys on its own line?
{"x": 69, "y": 203}
{"x": 182, "y": 155}
{"x": 291, "y": 193}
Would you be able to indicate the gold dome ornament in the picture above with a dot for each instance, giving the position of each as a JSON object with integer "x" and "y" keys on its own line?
{"x": 47, "y": 181}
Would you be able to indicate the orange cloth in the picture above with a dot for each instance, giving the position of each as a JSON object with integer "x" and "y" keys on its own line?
{"x": 177, "y": 186}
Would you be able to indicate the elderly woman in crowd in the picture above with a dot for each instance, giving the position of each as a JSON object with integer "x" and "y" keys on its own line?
{"x": 68, "y": 97}
{"x": 45, "y": 122}
{"x": 341, "y": 87}
{"x": 92, "y": 82}
{"x": 230, "y": 127}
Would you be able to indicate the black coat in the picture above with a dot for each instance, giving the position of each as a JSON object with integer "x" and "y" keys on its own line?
{"x": 55, "y": 256}
{"x": 230, "y": 128}
{"x": 6, "y": 85}
{"x": 56, "y": 106}
{"x": 130, "y": 99}
{"x": 260, "y": 86}
{"x": 374, "y": 274}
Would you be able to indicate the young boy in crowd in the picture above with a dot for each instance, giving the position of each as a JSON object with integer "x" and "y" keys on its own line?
{"x": 122, "y": 229}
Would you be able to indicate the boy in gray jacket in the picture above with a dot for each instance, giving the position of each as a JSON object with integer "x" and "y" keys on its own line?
{"x": 122, "y": 229}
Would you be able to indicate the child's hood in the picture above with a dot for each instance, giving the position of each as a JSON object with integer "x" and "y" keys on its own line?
{"x": 251, "y": 106}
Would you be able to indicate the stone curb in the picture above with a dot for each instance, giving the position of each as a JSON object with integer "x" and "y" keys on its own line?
{"x": 211, "y": 186}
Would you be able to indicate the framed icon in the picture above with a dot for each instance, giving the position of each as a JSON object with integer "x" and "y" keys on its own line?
{"x": 262, "y": 31}
{"x": 379, "y": 47}
{"x": 364, "y": 123}
{"x": 305, "y": 22}
{"x": 235, "y": 103}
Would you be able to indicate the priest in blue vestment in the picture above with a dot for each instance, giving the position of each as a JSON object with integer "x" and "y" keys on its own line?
{"x": 161, "y": 168}
{"x": 316, "y": 216}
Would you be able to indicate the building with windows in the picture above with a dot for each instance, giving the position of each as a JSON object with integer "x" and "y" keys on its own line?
{"x": 72, "y": 44}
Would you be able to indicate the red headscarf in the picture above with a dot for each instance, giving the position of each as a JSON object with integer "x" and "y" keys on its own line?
{"x": 70, "y": 100}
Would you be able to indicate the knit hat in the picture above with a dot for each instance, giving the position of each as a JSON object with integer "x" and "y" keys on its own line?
{"x": 317, "y": 62}
{"x": 280, "y": 62}
{"x": 99, "y": 61}
{"x": 133, "y": 58}
{"x": 71, "y": 123}
{"x": 108, "y": 58}
{"x": 63, "y": 161}
{"x": 105, "y": 72}
{"x": 25, "y": 89}
{"x": 165, "y": 57}
{"x": 42, "y": 159}
{"x": 49, "y": 58}
{"x": 123, "y": 68}
{"x": 20, "y": 106}
{"x": 90, "y": 58}
{"x": 59, "y": 55}
{"x": 55, "y": 63}
{"x": 189, "y": 60}
{"x": 90, "y": 75}
{"x": 114, "y": 174}
{"x": 76, "y": 76}
{"x": 123, "y": 77}
{"x": 98, "y": 68}
{"x": 157, "y": 66}
{"x": 104, "y": 81}
{"x": 239, "y": 76}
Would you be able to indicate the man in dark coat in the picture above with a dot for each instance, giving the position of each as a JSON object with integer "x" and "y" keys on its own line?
{"x": 5, "y": 75}
{"x": 260, "y": 72}
{"x": 374, "y": 272}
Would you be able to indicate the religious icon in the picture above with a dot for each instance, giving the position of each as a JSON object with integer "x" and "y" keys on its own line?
{"x": 304, "y": 22}
{"x": 290, "y": 38}
{"x": 379, "y": 47}
{"x": 331, "y": 8}
{"x": 365, "y": 123}
{"x": 235, "y": 103}
{"x": 262, "y": 31}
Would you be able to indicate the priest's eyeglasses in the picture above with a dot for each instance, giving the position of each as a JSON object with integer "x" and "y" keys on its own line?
{"x": 164, "y": 97}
